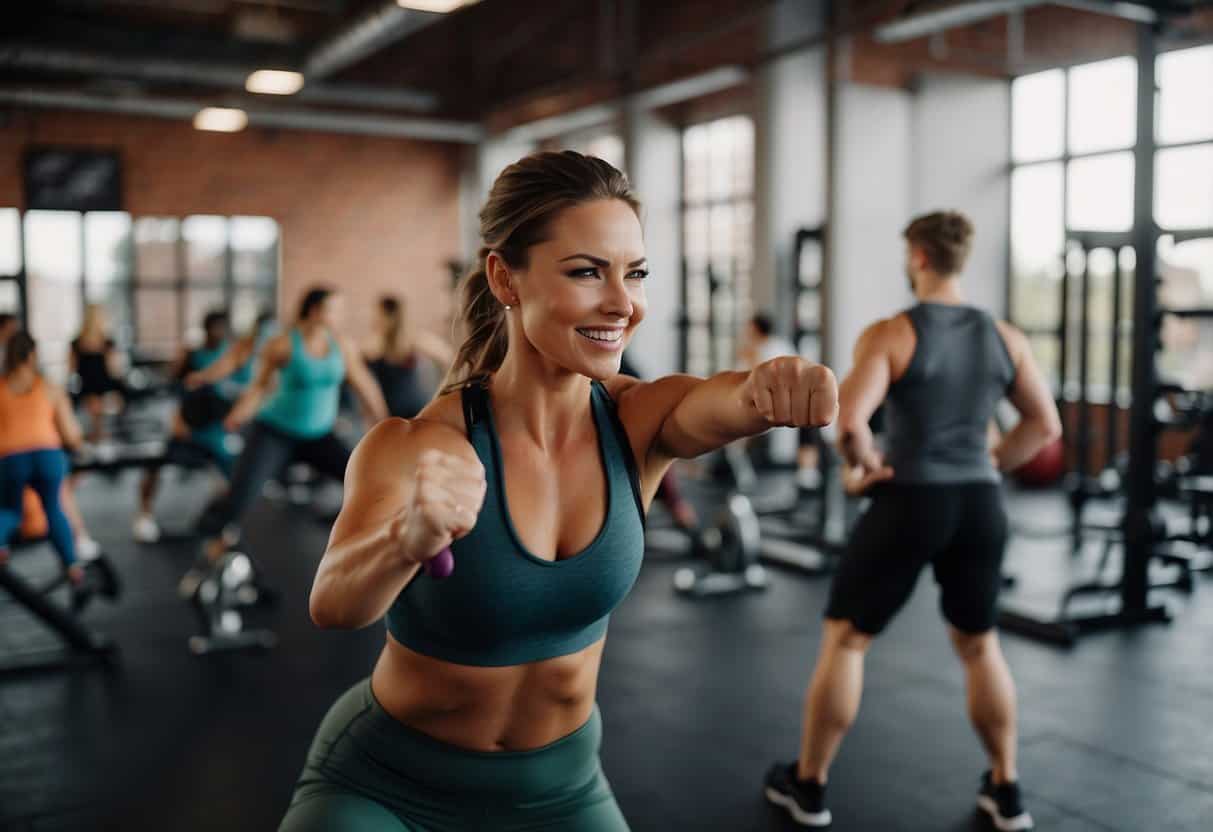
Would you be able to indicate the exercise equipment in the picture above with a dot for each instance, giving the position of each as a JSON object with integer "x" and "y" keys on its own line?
{"x": 112, "y": 457}
{"x": 730, "y": 546}
{"x": 100, "y": 579}
{"x": 80, "y": 644}
{"x": 807, "y": 530}
{"x": 1047, "y": 468}
{"x": 230, "y": 587}
{"x": 441, "y": 565}
{"x": 1141, "y": 525}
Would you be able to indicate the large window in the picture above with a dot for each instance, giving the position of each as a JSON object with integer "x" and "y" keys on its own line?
{"x": 1183, "y": 201}
{"x": 717, "y": 238}
{"x": 1073, "y": 134}
{"x": 156, "y": 276}
{"x": 10, "y": 261}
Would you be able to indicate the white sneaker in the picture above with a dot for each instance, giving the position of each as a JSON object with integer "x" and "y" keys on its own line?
{"x": 87, "y": 548}
{"x": 145, "y": 529}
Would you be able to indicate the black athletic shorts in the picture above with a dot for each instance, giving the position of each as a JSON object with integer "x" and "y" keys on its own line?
{"x": 960, "y": 530}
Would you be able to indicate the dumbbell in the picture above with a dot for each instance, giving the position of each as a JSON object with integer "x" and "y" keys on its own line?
{"x": 441, "y": 565}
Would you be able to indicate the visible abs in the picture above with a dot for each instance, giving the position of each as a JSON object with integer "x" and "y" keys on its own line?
{"x": 514, "y": 708}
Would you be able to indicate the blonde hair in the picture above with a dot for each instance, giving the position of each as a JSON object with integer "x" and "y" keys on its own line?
{"x": 93, "y": 322}
{"x": 522, "y": 203}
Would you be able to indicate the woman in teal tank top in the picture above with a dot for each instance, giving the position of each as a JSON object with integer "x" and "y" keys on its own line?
{"x": 534, "y": 468}
{"x": 196, "y": 432}
{"x": 292, "y": 403}
{"x": 213, "y": 375}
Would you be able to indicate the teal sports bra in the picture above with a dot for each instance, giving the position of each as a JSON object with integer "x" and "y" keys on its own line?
{"x": 505, "y": 606}
{"x": 305, "y": 404}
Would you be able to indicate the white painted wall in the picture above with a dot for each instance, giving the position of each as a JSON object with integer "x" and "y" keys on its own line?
{"x": 870, "y": 206}
{"x": 480, "y": 168}
{"x": 790, "y": 184}
{"x": 899, "y": 154}
{"x": 962, "y": 134}
{"x": 790, "y": 131}
{"x": 494, "y": 156}
{"x": 653, "y": 152}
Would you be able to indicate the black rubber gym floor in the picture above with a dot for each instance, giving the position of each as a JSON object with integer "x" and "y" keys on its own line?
{"x": 697, "y": 697}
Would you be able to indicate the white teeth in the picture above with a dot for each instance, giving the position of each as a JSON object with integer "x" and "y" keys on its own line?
{"x": 608, "y": 335}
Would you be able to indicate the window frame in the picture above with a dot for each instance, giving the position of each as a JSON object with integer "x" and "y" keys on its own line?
{"x": 1098, "y": 390}
{"x": 134, "y": 281}
{"x": 739, "y": 282}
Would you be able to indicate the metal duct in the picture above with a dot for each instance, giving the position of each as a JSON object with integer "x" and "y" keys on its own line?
{"x": 964, "y": 14}
{"x": 293, "y": 119}
{"x": 365, "y": 36}
{"x": 948, "y": 17}
{"x": 663, "y": 95}
{"x": 78, "y": 62}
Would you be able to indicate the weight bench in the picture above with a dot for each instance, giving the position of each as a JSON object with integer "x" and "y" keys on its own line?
{"x": 81, "y": 645}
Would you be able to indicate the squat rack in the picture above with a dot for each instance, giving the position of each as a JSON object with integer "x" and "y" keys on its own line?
{"x": 1141, "y": 525}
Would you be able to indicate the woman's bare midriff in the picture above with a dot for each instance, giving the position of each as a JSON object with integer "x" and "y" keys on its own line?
{"x": 515, "y": 708}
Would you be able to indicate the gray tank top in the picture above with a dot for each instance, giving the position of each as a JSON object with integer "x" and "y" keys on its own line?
{"x": 939, "y": 409}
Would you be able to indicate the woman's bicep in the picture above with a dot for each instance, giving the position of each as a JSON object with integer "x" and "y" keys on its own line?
{"x": 378, "y": 480}
{"x": 645, "y": 409}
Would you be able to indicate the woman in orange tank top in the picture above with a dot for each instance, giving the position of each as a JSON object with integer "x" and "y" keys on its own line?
{"x": 35, "y": 421}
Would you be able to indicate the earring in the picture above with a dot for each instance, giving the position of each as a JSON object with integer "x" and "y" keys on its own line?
{"x": 508, "y": 307}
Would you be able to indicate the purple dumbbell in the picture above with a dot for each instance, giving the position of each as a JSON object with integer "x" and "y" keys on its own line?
{"x": 441, "y": 565}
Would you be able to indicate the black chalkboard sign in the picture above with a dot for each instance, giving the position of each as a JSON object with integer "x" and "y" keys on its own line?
{"x": 72, "y": 179}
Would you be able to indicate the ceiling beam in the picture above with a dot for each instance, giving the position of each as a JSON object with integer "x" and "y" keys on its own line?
{"x": 58, "y": 60}
{"x": 287, "y": 118}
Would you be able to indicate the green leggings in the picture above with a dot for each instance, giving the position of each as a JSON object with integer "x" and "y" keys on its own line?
{"x": 368, "y": 772}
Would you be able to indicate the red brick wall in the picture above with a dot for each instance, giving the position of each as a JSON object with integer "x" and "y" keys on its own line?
{"x": 370, "y": 214}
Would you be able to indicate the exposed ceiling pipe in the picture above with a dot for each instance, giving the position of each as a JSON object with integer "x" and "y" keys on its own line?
{"x": 685, "y": 89}
{"x": 293, "y": 119}
{"x": 947, "y": 17}
{"x": 663, "y": 95}
{"x": 570, "y": 122}
{"x": 361, "y": 95}
{"x": 966, "y": 13}
{"x": 363, "y": 37}
{"x": 218, "y": 6}
{"x": 159, "y": 70}
{"x": 1136, "y": 12}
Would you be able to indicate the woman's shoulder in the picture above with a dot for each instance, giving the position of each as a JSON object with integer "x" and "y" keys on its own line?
{"x": 439, "y": 425}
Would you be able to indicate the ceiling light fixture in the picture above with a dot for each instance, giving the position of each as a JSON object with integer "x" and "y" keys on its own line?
{"x": 274, "y": 82}
{"x": 221, "y": 119}
{"x": 438, "y": 6}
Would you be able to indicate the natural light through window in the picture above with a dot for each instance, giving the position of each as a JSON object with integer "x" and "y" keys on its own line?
{"x": 1184, "y": 187}
{"x": 52, "y": 245}
{"x": 1036, "y": 222}
{"x": 107, "y": 240}
{"x": 1103, "y": 105}
{"x": 1185, "y": 102}
{"x": 1038, "y": 116}
{"x": 1101, "y": 193}
{"x": 717, "y": 223}
{"x": 10, "y": 241}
